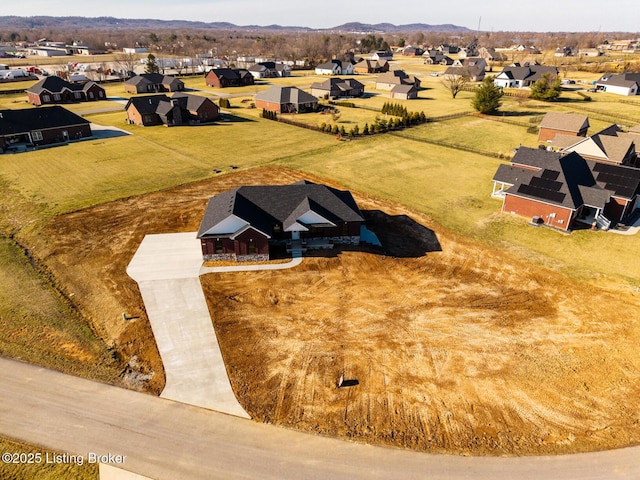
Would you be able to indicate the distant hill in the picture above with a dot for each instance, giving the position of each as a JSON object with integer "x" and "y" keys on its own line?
{"x": 389, "y": 27}
{"x": 9, "y": 23}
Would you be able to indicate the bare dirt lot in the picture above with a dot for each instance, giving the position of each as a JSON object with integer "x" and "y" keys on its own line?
{"x": 448, "y": 346}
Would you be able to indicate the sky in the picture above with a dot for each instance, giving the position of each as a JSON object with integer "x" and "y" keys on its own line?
{"x": 491, "y": 15}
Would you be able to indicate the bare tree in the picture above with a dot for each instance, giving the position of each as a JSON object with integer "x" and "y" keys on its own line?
{"x": 127, "y": 62}
{"x": 455, "y": 82}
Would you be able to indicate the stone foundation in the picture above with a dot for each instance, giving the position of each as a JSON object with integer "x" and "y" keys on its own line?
{"x": 219, "y": 257}
{"x": 252, "y": 258}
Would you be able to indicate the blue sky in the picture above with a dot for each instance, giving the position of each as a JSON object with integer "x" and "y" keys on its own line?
{"x": 541, "y": 15}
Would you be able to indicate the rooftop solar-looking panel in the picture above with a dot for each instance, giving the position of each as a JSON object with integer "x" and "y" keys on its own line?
{"x": 546, "y": 184}
{"x": 541, "y": 193}
{"x": 550, "y": 174}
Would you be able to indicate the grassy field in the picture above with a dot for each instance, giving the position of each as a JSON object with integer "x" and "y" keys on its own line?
{"x": 42, "y": 470}
{"x": 39, "y": 326}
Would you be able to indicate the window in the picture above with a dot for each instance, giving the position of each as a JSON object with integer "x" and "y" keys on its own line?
{"x": 101, "y": 94}
{"x": 91, "y": 95}
{"x": 252, "y": 247}
{"x": 218, "y": 246}
{"x": 36, "y": 136}
{"x": 57, "y": 97}
{"x": 78, "y": 95}
{"x": 46, "y": 98}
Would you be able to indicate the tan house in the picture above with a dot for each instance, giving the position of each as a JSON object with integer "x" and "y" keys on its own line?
{"x": 562, "y": 123}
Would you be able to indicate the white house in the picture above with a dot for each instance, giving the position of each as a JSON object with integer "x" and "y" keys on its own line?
{"x": 329, "y": 68}
{"x": 622, "y": 84}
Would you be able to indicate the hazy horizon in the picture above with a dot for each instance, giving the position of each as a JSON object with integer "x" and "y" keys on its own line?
{"x": 570, "y": 16}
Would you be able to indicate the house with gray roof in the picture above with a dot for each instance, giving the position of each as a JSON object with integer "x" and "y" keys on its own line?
{"x": 153, "y": 82}
{"x": 270, "y": 70}
{"x": 473, "y": 68}
{"x": 337, "y": 87}
{"x": 53, "y": 90}
{"x": 246, "y": 223}
{"x": 286, "y": 99}
{"x": 179, "y": 109}
{"x": 566, "y": 191}
{"x": 621, "y": 84}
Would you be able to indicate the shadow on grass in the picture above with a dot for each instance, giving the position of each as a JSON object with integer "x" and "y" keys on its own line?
{"x": 230, "y": 118}
{"x": 400, "y": 235}
{"x": 516, "y": 114}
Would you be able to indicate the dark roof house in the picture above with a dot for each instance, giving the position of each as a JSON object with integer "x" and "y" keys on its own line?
{"x": 52, "y": 90}
{"x": 244, "y": 223}
{"x": 281, "y": 99}
{"x": 33, "y": 127}
{"x": 228, "y": 77}
{"x": 180, "y": 109}
{"x": 566, "y": 191}
{"x": 337, "y": 87}
{"x": 153, "y": 82}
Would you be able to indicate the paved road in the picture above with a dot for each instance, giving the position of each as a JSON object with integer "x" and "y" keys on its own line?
{"x": 169, "y": 440}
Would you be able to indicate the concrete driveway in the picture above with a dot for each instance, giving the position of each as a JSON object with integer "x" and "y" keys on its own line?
{"x": 167, "y": 269}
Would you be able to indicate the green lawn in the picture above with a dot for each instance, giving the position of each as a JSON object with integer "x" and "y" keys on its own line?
{"x": 152, "y": 158}
{"x": 454, "y": 189}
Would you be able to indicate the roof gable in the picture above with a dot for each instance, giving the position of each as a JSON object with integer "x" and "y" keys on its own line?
{"x": 290, "y": 206}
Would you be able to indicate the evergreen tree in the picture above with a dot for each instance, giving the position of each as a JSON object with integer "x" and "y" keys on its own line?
{"x": 365, "y": 130}
{"x": 545, "y": 88}
{"x": 151, "y": 66}
{"x": 487, "y": 97}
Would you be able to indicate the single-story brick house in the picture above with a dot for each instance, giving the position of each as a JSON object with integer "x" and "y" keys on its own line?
{"x": 286, "y": 100}
{"x": 53, "y": 90}
{"x": 337, "y": 87}
{"x": 179, "y": 109}
{"x": 153, "y": 82}
{"x": 228, "y": 77}
{"x": 244, "y": 223}
{"x": 40, "y": 126}
{"x": 566, "y": 191}
{"x": 563, "y": 123}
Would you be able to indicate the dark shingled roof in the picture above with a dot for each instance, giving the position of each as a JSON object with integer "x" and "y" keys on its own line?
{"x": 15, "y": 122}
{"x": 571, "y": 181}
{"x": 284, "y": 95}
{"x": 534, "y": 157}
{"x": 146, "y": 104}
{"x": 53, "y": 84}
{"x": 263, "y": 207}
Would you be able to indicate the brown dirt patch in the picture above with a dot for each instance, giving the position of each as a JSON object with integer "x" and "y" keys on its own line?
{"x": 461, "y": 350}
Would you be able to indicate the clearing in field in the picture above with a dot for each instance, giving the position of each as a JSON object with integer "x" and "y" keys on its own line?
{"x": 455, "y": 346}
